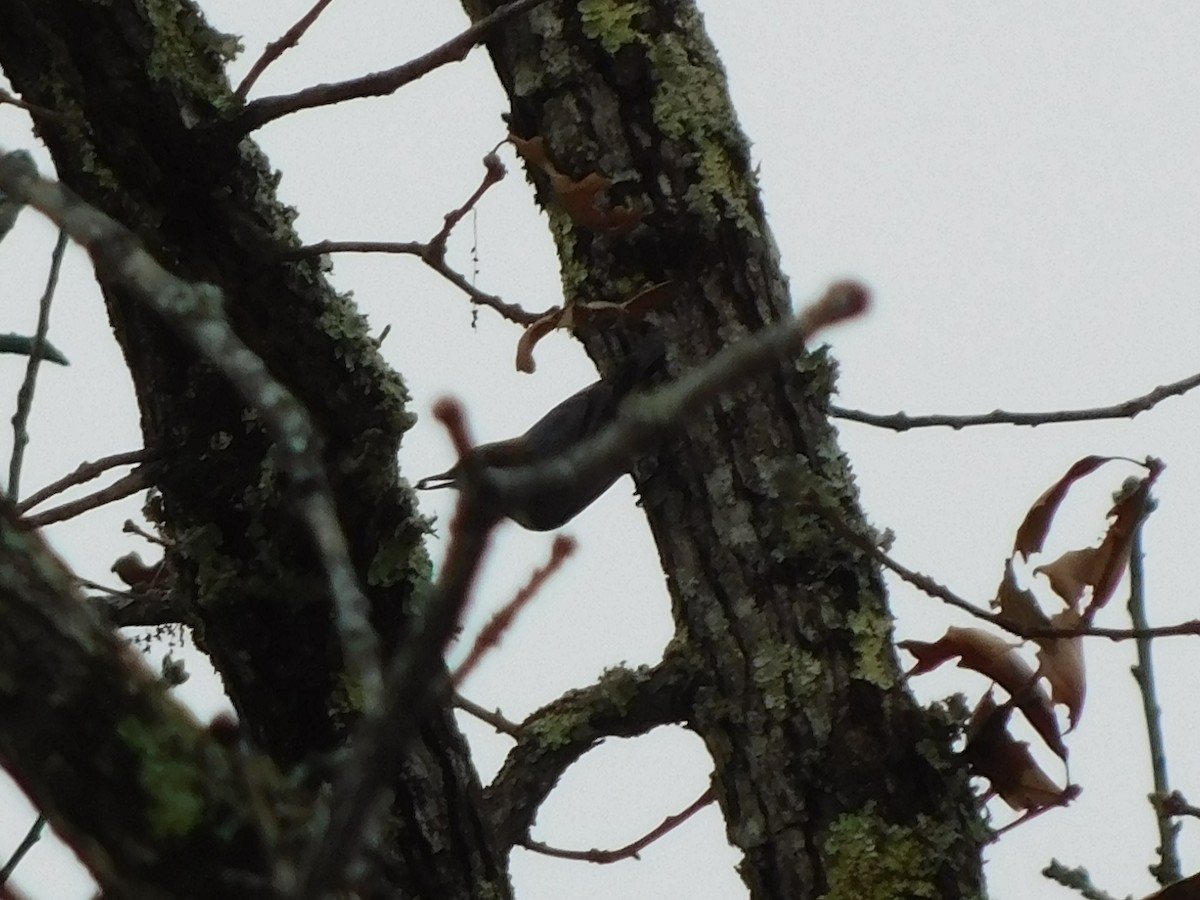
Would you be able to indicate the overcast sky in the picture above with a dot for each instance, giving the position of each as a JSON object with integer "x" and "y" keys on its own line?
{"x": 1018, "y": 184}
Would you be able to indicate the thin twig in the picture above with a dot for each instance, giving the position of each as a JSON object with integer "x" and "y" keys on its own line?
{"x": 1126, "y": 409}
{"x": 84, "y": 472}
{"x": 38, "y": 111}
{"x": 938, "y": 591}
{"x": 132, "y": 527}
{"x": 1167, "y": 869}
{"x": 489, "y": 716}
{"x": 631, "y": 850}
{"x": 489, "y": 637}
{"x": 137, "y": 480}
{"x": 20, "y": 419}
{"x": 195, "y": 312}
{"x": 433, "y": 252}
{"x": 278, "y": 47}
{"x": 31, "y": 837}
{"x": 378, "y": 84}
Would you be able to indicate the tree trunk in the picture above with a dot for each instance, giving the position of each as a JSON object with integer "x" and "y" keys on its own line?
{"x": 832, "y": 781}
{"x": 142, "y": 99}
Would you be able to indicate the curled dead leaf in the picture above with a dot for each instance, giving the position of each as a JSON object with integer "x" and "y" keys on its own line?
{"x": 1061, "y": 663}
{"x": 1031, "y": 535}
{"x": 1017, "y": 605}
{"x": 1071, "y": 573}
{"x": 534, "y": 333}
{"x": 1007, "y": 764}
{"x": 989, "y": 655}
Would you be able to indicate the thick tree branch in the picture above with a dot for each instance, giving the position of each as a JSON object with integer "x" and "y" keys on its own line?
{"x": 379, "y": 84}
{"x": 147, "y": 799}
{"x": 624, "y": 703}
{"x": 1126, "y": 409}
{"x": 195, "y": 312}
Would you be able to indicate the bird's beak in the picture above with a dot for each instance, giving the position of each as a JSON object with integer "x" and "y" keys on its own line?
{"x": 434, "y": 482}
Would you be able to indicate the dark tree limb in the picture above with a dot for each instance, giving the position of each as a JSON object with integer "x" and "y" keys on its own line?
{"x": 624, "y": 703}
{"x": 145, "y": 796}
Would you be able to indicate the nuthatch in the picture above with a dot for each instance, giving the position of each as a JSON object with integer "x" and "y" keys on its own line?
{"x": 578, "y": 417}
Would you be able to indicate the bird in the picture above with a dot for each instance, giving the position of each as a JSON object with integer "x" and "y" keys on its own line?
{"x": 573, "y": 420}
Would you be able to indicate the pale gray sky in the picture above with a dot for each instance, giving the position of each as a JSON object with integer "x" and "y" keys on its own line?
{"x": 1018, "y": 184}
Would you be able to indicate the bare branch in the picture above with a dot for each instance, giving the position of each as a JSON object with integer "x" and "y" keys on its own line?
{"x": 623, "y": 703}
{"x": 938, "y": 591}
{"x": 1166, "y": 870}
{"x": 86, "y": 471}
{"x": 195, "y": 312}
{"x": 433, "y": 251}
{"x": 137, "y": 480}
{"x": 631, "y": 850}
{"x": 489, "y": 637}
{"x": 277, "y": 48}
{"x": 31, "y": 837}
{"x": 20, "y": 419}
{"x": 379, "y": 84}
{"x": 491, "y": 717}
{"x": 36, "y": 111}
{"x": 1126, "y": 409}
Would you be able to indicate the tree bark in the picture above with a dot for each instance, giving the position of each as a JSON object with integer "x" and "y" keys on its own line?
{"x": 832, "y": 781}
{"x": 143, "y": 103}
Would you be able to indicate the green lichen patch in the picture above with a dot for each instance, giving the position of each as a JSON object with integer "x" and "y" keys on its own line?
{"x": 611, "y": 22}
{"x": 869, "y": 859}
{"x": 872, "y": 631}
{"x": 173, "y": 783}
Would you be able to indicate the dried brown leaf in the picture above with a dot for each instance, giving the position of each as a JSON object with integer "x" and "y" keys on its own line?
{"x": 1127, "y": 514}
{"x": 983, "y": 652}
{"x": 1061, "y": 662}
{"x": 1016, "y": 605}
{"x": 534, "y": 333}
{"x": 1071, "y": 573}
{"x": 581, "y": 201}
{"x": 1032, "y": 533}
{"x": 1006, "y": 762}
{"x": 533, "y": 151}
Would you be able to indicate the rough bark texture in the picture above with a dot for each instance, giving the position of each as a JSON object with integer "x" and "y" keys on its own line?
{"x": 141, "y": 87}
{"x": 833, "y": 782}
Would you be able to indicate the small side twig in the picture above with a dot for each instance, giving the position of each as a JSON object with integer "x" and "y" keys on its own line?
{"x": 84, "y": 472}
{"x": 20, "y": 419}
{"x": 490, "y": 636}
{"x": 1077, "y": 879}
{"x": 631, "y": 850}
{"x": 1126, "y": 409}
{"x": 31, "y": 837}
{"x": 379, "y": 84}
{"x": 433, "y": 252}
{"x": 278, "y": 47}
{"x": 488, "y": 716}
{"x": 36, "y": 111}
